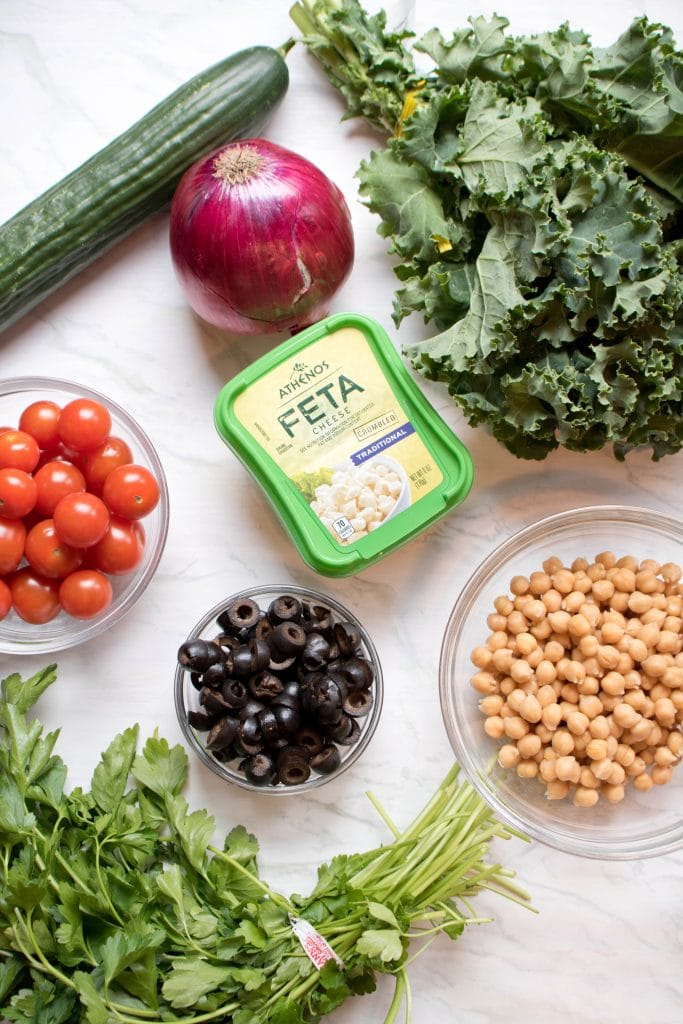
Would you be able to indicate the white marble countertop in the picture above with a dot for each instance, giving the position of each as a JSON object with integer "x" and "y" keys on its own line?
{"x": 606, "y": 946}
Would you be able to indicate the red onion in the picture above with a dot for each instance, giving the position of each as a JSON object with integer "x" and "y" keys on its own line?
{"x": 260, "y": 238}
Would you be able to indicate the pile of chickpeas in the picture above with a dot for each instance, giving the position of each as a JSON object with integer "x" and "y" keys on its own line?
{"x": 581, "y": 676}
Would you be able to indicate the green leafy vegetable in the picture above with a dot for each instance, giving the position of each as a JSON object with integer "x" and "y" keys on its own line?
{"x": 532, "y": 190}
{"x": 116, "y": 907}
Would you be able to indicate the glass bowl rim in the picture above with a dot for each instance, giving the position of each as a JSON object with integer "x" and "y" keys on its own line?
{"x": 651, "y": 844}
{"x": 314, "y": 782}
{"x": 86, "y": 629}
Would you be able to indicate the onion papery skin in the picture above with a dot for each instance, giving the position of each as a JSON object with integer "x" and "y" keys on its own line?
{"x": 262, "y": 256}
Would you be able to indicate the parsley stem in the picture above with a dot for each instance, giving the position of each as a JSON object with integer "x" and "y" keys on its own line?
{"x": 281, "y": 901}
{"x": 399, "y": 991}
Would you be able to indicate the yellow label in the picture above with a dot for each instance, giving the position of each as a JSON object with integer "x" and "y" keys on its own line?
{"x": 329, "y": 418}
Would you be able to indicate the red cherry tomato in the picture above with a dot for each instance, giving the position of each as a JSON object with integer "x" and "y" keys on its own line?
{"x": 121, "y": 549}
{"x": 85, "y": 593}
{"x": 84, "y": 424}
{"x": 81, "y": 519}
{"x": 40, "y": 420}
{"x": 131, "y": 491}
{"x": 18, "y": 493}
{"x": 12, "y": 539}
{"x": 19, "y": 450}
{"x": 34, "y": 598}
{"x": 54, "y": 481}
{"x": 98, "y": 464}
{"x": 47, "y": 554}
{"x": 5, "y": 599}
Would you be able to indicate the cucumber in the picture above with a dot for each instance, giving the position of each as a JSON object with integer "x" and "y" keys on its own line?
{"x": 104, "y": 199}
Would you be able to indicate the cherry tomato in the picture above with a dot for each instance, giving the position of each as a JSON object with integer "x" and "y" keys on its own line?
{"x": 47, "y": 554}
{"x": 19, "y": 450}
{"x": 131, "y": 491}
{"x": 85, "y": 593}
{"x": 98, "y": 464}
{"x": 18, "y": 493}
{"x": 40, "y": 420}
{"x": 121, "y": 549}
{"x": 34, "y": 598}
{"x": 54, "y": 481}
{"x": 81, "y": 519}
{"x": 5, "y": 599}
{"x": 12, "y": 539}
{"x": 84, "y": 424}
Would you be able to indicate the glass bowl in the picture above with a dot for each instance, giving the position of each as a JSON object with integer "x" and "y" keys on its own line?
{"x": 187, "y": 696}
{"x": 19, "y": 637}
{"x": 643, "y": 824}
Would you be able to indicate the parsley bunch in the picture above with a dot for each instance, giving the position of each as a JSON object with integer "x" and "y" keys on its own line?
{"x": 532, "y": 189}
{"x": 116, "y": 907}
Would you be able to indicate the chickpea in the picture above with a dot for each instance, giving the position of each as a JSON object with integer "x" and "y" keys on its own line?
{"x": 551, "y": 716}
{"x": 519, "y": 585}
{"x": 588, "y": 780}
{"x": 665, "y": 757}
{"x": 527, "y": 769}
{"x": 501, "y": 660}
{"x": 552, "y": 564}
{"x": 660, "y": 774}
{"x": 484, "y": 683}
{"x": 554, "y": 651}
{"x": 541, "y": 630}
{"x": 608, "y": 656}
{"x": 673, "y": 677}
{"x": 628, "y": 562}
{"x": 557, "y": 790}
{"x": 552, "y": 600}
{"x": 503, "y": 605}
{"x": 643, "y": 782}
{"x": 675, "y": 743}
{"x": 575, "y": 672}
{"x": 599, "y": 728}
{"x": 481, "y": 657}
{"x": 570, "y": 693}
{"x": 613, "y": 684}
{"x": 665, "y": 711}
{"x": 559, "y": 621}
{"x": 573, "y": 602}
{"x": 625, "y": 755}
{"x": 612, "y": 746}
{"x": 562, "y": 742}
{"x": 590, "y": 706}
{"x": 624, "y": 580}
{"x": 670, "y": 572}
{"x": 521, "y": 671}
{"x": 544, "y": 734}
{"x": 539, "y": 583}
{"x": 563, "y": 580}
{"x": 637, "y": 649}
{"x": 613, "y": 793}
{"x": 516, "y": 727}
{"x": 497, "y": 640}
{"x": 590, "y": 687}
{"x": 595, "y": 571}
{"x": 668, "y": 642}
{"x": 649, "y": 634}
{"x": 603, "y": 590}
{"x": 639, "y": 602}
{"x": 508, "y": 756}
{"x": 625, "y": 716}
{"x": 606, "y": 558}
{"x": 507, "y": 685}
{"x": 617, "y": 776}
{"x": 546, "y": 770}
{"x": 636, "y": 768}
{"x": 611, "y": 633}
{"x": 577, "y": 723}
{"x": 597, "y": 750}
{"x": 531, "y": 710}
{"x": 494, "y": 727}
{"x": 588, "y": 645}
{"x": 585, "y": 797}
{"x": 567, "y": 769}
{"x": 602, "y": 769}
{"x": 545, "y": 695}
{"x": 591, "y": 612}
{"x": 529, "y": 745}
{"x": 619, "y": 601}
{"x": 491, "y": 705}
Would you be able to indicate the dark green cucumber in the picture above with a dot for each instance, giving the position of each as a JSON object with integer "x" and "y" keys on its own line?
{"x": 100, "y": 202}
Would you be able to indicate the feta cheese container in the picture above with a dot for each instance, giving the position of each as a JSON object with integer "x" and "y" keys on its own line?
{"x": 349, "y": 451}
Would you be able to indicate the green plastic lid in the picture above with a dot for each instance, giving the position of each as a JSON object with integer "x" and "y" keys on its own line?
{"x": 351, "y": 454}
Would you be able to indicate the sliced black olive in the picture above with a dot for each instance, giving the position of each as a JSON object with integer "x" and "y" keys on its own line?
{"x": 265, "y": 686}
{"x": 263, "y": 629}
{"x": 235, "y": 693}
{"x": 251, "y": 709}
{"x": 326, "y": 760}
{"x": 323, "y": 700}
{"x": 358, "y": 703}
{"x": 259, "y": 769}
{"x": 291, "y": 687}
{"x": 199, "y": 654}
{"x": 270, "y": 728}
{"x": 199, "y": 721}
{"x": 226, "y": 641}
{"x": 285, "y": 608}
{"x": 240, "y": 615}
{"x": 260, "y": 654}
{"x": 320, "y": 621}
{"x": 222, "y": 733}
{"x": 279, "y": 743}
{"x": 242, "y": 662}
{"x": 348, "y": 638}
{"x": 293, "y": 765}
{"x": 310, "y": 738}
{"x": 341, "y": 730}
{"x": 358, "y": 673}
{"x": 353, "y": 735}
{"x": 213, "y": 702}
{"x": 288, "y": 718}
{"x": 316, "y": 653}
{"x": 215, "y": 675}
{"x": 250, "y": 735}
{"x": 287, "y": 638}
{"x": 196, "y": 680}
{"x": 286, "y": 700}
{"x": 280, "y": 663}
